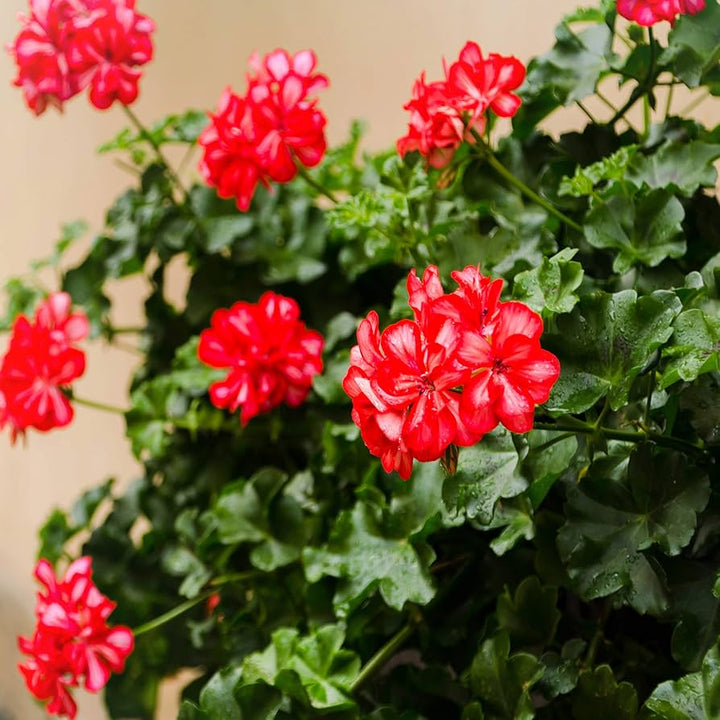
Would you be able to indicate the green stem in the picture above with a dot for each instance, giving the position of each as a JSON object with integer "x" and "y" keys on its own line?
{"x": 172, "y": 614}
{"x": 668, "y": 102}
{"x": 378, "y": 660}
{"x": 694, "y": 103}
{"x": 623, "y": 435}
{"x": 590, "y": 116}
{"x": 605, "y": 101}
{"x": 501, "y": 170}
{"x": 642, "y": 88}
{"x": 310, "y": 180}
{"x": 98, "y": 405}
{"x": 127, "y": 330}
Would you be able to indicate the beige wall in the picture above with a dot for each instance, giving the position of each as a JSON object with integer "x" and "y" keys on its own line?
{"x": 372, "y": 50}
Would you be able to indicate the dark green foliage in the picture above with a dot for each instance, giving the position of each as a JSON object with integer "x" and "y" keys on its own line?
{"x": 568, "y": 574}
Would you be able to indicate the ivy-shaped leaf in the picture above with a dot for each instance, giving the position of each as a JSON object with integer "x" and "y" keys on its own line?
{"x": 676, "y": 166}
{"x": 315, "y": 669}
{"x": 610, "y": 524}
{"x": 551, "y": 286}
{"x": 644, "y": 231}
{"x": 365, "y": 557}
{"x": 695, "y": 349}
{"x": 605, "y": 343}
{"x": 502, "y": 681}
{"x": 485, "y": 473}
{"x": 611, "y": 168}
{"x": 692, "y": 697}
{"x": 530, "y": 616}
{"x": 256, "y": 511}
{"x": 600, "y": 697}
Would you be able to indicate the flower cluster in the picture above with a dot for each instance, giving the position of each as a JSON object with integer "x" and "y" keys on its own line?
{"x": 444, "y": 113}
{"x": 262, "y": 135}
{"x": 66, "y": 46}
{"x": 72, "y": 643}
{"x": 465, "y": 363}
{"x": 649, "y": 12}
{"x": 41, "y": 359}
{"x": 271, "y": 355}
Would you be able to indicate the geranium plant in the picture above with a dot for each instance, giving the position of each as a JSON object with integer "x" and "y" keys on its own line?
{"x": 435, "y": 431}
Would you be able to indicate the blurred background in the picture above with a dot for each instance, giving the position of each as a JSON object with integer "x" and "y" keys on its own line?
{"x": 372, "y": 51}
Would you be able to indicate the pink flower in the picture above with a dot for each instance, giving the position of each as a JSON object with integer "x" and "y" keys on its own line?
{"x": 72, "y": 643}
{"x": 465, "y": 363}
{"x": 444, "y": 114}
{"x": 650, "y": 12}
{"x": 436, "y": 127}
{"x": 40, "y": 361}
{"x": 230, "y": 161}
{"x": 511, "y": 373}
{"x": 479, "y": 83}
{"x": 65, "y": 46}
{"x": 271, "y": 356}
{"x": 107, "y": 51}
{"x": 264, "y": 134}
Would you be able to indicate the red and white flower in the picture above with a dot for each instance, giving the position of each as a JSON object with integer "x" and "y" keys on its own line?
{"x": 72, "y": 644}
{"x": 270, "y": 354}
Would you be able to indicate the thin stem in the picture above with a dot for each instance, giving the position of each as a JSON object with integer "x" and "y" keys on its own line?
{"x": 694, "y": 103}
{"x": 378, "y": 660}
{"x": 127, "y": 330}
{"x": 647, "y": 119}
{"x": 668, "y": 101}
{"x": 531, "y": 194}
{"x": 310, "y": 180}
{"x": 98, "y": 405}
{"x": 146, "y": 135}
{"x": 553, "y": 441}
{"x": 641, "y": 89}
{"x": 590, "y": 116}
{"x": 623, "y": 435}
{"x": 605, "y": 101}
{"x": 172, "y": 614}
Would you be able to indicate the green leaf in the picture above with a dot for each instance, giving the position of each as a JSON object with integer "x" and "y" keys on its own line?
{"x": 562, "y": 671}
{"x": 552, "y": 285}
{"x": 256, "y": 511}
{"x": 646, "y": 231}
{"x": 610, "y": 524}
{"x": 549, "y": 456}
{"x": 485, "y": 473}
{"x": 217, "y": 697}
{"x": 610, "y": 168}
{"x": 676, "y": 166}
{"x": 600, "y": 697}
{"x": 314, "y": 670}
{"x": 568, "y": 72}
{"x": 530, "y": 616}
{"x": 694, "y": 45}
{"x": 692, "y": 697}
{"x": 365, "y": 557}
{"x": 695, "y": 349}
{"x": 503, "y": 682}
{"x": 605, "y": 343}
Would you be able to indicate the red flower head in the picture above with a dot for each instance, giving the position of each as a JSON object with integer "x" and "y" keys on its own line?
{"x": 108, "y": 50}
{"x": 265, "y": 134}
{"x": 40, "y": 361}
{"x": 467, "y": 362}
{"x": 649, "y": 12}
{"x": 72, "y": 643}
{"x": 443, "y": 114}
{"x": 271, "y": 355}
{"x": 68, "y": 45}
{"x": 436, "y": 127}
{"x": 479, "y": 83}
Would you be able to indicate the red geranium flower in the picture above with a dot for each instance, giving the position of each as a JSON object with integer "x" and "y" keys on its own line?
{"x": 465, "y": 363}
{"x": 479, "y": 83}
{"x": 264, "y": 134}
{"x": 511, "y": 372}
{"x": 446, "y": 113}
{"x": 649, "y": 12}
{"x": 107, "y": 51}
{"x": 65, "y": 46}
{"x": 436, "y": 127}
{"x": 72, "y": 643}
{"x": 40, "y": 361}
{"x": 271, "y": 355}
